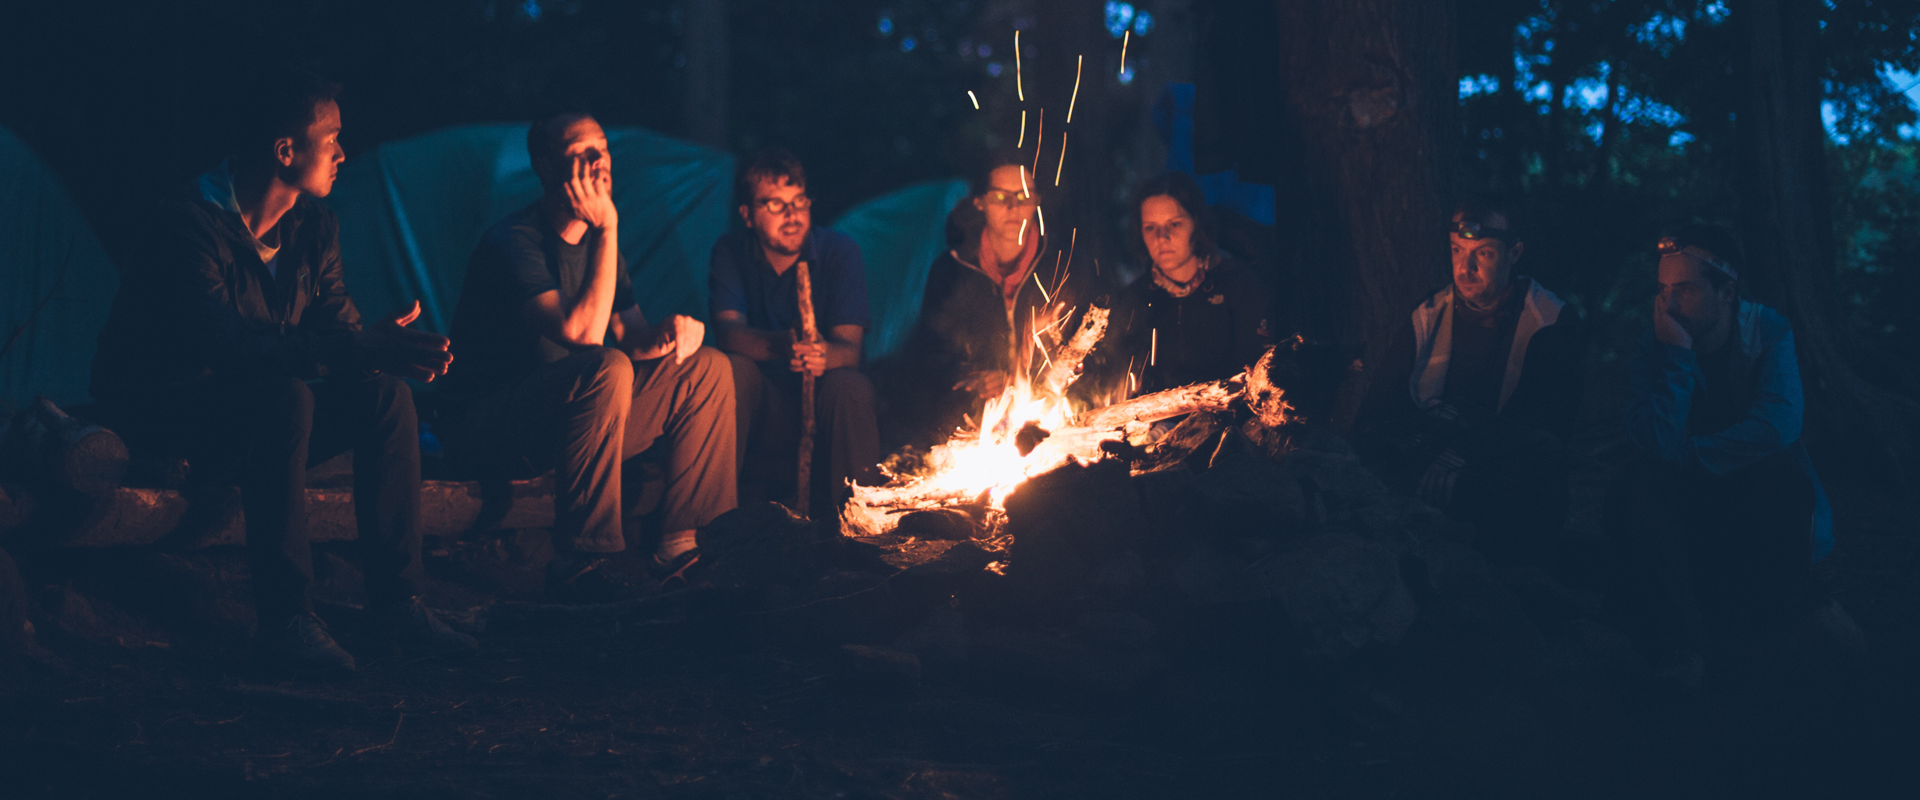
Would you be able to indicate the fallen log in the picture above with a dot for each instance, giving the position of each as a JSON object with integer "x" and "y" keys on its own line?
{"x": 1150, "y": 408}
{"x": 43, "y": 443}
{"x": 1065, "y": 367}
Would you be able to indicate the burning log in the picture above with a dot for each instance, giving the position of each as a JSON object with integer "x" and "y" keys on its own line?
{"x": 1065, "y": 368}
{"x": 1151, "y": 408}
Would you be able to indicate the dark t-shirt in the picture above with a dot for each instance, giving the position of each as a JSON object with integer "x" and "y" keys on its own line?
{"x": 1482, "y": 344}
{"x": 741, "y": 280}
{"x": 519, "y": 258}
{"x": 1216, "y": 331}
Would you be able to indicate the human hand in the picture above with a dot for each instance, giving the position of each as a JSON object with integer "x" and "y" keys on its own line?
{"x": 1667, "y": 329}
{"x": 984, "y": 384}
{"x": 684, "y": 334}
{"x": 809, "y": 357}
{"x": 1436, "y": 485}
{"x": 590, "y": 192}
{"x": 389, "y": 346}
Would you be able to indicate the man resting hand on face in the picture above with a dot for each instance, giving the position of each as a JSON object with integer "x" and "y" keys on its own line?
{"x": 560, "y": 370}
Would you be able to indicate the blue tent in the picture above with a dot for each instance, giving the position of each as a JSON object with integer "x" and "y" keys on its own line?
{"x": 412, "y": 211}
{"x": 40, "y": 230}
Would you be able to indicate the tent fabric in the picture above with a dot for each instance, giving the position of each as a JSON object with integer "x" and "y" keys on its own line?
{"x": 900, "y": 235}
{"x": 412, "y": 211}
{"x": 39, "y": 226}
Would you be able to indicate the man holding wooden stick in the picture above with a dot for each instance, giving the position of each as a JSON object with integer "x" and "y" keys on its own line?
{"x": 757, "y": 289}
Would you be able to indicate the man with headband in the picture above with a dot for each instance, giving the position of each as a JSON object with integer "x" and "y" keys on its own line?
{"x": 1722, "y": 515}
{"x": 1479, "y": 393}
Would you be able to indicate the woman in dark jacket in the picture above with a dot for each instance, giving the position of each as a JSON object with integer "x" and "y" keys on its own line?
{"x": 983, "y": 297}
{"x": 1197, "y": 315}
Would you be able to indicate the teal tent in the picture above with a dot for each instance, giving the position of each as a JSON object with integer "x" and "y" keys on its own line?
{"x": 412, "y": 210}
{"x": 41, "y": 230}
{"x": 900, "y": 235}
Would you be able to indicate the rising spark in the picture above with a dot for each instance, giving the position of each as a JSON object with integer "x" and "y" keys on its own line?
{"x": 1043, "y": 293}
{"x": 1063, "y": 155}
{"x": 1076, "y": 87}
{"x": 976, "y": 100}
{"x": 1018, "y": 85}
{"x": 1023, "y": 233}
{"x": 1153, "y": 354}
{"x": 1023, "y": 180}
{"x": 1123, "y": 51}
{"x": 1042, "y": 214}
{"x": 1023, "y": 130}
{"x": 1039, "y": 139}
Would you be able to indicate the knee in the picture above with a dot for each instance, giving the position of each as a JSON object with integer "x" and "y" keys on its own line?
{"x": 603, "y": 374}
{"x": 746, "y": 371}
{"x": 846, "y": 386}
{"x": 285, "y": 400}
{"x": 393, "y": 399}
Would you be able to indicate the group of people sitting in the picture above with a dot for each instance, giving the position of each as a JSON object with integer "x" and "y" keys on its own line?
{"x": 234, "y": 342}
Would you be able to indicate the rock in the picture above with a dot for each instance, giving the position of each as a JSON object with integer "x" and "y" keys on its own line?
{"x": 1068, "y": 525}
{"x": 16, "y": 505}
{"x": 937, "y": 523}
{"x": 123, "y": 517}
{"x": 1454, "y": 578}
{"x": 881, "y": 665}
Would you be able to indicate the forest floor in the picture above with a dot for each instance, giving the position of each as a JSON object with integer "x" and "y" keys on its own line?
{"x": 681, "y": 704}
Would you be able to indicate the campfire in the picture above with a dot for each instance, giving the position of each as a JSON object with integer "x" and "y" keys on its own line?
{"x": 1031, "y": 429}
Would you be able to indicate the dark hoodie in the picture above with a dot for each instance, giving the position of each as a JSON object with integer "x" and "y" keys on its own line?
{"x": 965, "y": 326}
{"x": 198, "y": 301}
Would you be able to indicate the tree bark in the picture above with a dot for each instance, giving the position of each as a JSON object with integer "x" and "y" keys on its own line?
{"x": 1370, "y": 132}
{"x": 706, "y": 76}
{"x": 1787, "y": 227}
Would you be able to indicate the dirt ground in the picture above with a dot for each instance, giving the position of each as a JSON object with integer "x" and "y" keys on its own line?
{"x": 156, "y": 695}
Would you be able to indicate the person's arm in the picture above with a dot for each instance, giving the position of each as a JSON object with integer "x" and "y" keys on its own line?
{"x": 677, "y": 335}
{"x": 1772, "y": 422}
{"x": 582, "y": 319}
{"x": 385, "y": 346}
{"x": 1660, "y": 384}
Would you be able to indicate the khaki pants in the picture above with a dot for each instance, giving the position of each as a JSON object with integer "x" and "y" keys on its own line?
{"x": 584, "y": 415}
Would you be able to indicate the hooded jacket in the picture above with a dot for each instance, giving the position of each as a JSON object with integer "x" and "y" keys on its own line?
{"x": 199, "y": 301}
{"x": 1766, "y": 382}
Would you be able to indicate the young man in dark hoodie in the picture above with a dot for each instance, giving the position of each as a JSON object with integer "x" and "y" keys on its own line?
{"x": 233, "y": 341}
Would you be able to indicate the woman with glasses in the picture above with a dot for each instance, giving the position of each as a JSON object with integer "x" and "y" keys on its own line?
{"x": 1197, "y": 315}
{"x": 996, "y": 277}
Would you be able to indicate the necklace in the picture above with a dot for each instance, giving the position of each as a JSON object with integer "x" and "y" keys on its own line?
{"x": 1180, "y": 288}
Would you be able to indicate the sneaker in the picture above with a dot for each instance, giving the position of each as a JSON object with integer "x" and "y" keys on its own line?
{"x": 416, "y": 629}
{"x": 576, "y": 577}
{"x": 304, "y": 644}
{"x": 674, "y": 570}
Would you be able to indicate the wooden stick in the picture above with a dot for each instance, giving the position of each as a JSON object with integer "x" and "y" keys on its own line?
{"x": 809, "y": 333}
{"x": 1065, "y": 368}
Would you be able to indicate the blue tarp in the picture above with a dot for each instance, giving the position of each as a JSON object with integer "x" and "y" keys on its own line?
{"x": 900, "y": 234}
{"x": 38, "y": 226}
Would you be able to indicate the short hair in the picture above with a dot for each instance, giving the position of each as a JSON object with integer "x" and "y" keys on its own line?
{"x": 546, "y": 133}
{"x": 1715, "y": 239}
{"x": 769, "y": 164}
{"x": 1482, "y": 207}
{"x": 280, "y": 105}
{"x": 1186, "y": 191}
{"x": 1000, "y": 157}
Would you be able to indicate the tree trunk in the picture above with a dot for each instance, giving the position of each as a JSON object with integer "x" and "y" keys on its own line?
{"x": 1370, "y": 132}
{"x": 1788, "y": 227}
{"x": 705, "y": 98}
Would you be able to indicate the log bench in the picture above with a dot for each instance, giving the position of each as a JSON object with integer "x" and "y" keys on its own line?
{"x": 133, "y": 517}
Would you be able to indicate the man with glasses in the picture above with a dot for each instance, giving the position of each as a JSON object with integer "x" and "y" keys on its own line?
{"x": 559, "y": 370}
{"x": 756, "y": 308}
{"x": 1722, "y": 515}
{"x": 1479, "y": 393}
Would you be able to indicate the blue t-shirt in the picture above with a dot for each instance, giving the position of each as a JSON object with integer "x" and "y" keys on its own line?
{"x": 741, "y": 280}
{"x": 519, "y": 258}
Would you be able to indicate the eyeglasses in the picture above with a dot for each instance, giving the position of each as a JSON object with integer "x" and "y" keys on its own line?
{"x": 1669, "y": 246}
{"x": 779, "y": 207}
{"x": 1010, "y": 200}
{"x": 1475, "y": 231}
